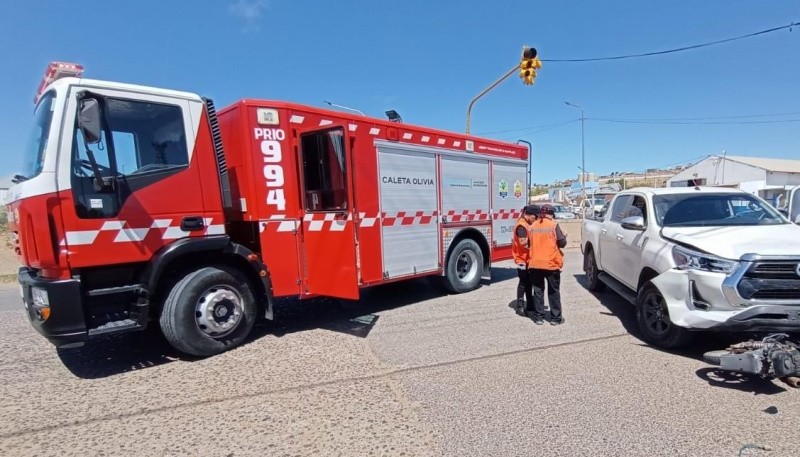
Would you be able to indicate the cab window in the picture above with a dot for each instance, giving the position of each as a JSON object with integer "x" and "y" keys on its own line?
{"x": 620, "y": 208}
{"x": 146, "y": 137}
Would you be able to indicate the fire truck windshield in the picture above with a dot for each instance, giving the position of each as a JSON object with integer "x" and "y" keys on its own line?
{"x": 33, "y": 159}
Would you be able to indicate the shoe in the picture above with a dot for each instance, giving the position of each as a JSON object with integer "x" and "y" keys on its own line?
{"x": 521, "y": 312}
{"x": 538, "y": 320}
{"x": 557, "y": 322}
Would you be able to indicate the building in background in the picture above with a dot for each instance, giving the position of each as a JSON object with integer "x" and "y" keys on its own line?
{"x": 5, "y": 184}
{"x": 770, "y": 179}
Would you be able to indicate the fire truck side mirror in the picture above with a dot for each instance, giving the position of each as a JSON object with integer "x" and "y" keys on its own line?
{"x": 89, "y": 120}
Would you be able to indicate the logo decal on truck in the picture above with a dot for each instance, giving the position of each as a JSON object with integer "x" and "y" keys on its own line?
{"x": 502, "y": 188}
{"x": 518, "y": 189}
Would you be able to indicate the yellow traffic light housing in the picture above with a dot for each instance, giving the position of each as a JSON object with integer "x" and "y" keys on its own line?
{"x": 528, "y": 65}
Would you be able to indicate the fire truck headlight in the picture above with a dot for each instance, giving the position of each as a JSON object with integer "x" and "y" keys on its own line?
{"x": 41, "y": 303}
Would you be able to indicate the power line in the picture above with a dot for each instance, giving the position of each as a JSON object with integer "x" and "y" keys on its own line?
{"x": 681, "y": 162}
{"x": 710, "y": 117}
{"x": 684, "y": 48}
{"x": 656, "y": 120}
{"x": 536, "y": 131}
{"x": 632, "y": 121}
{"x": 544, "y": 127}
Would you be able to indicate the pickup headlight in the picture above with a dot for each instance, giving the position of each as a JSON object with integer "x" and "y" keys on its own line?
{"x": 687, "y": 259}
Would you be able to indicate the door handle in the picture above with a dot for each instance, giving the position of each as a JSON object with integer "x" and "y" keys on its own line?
{"x": 192, "y": 223}
{"x": 603, "y": 231}
{"x": 620, "y": 237}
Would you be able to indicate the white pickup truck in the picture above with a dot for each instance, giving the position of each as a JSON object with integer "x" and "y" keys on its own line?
{"x": 695, "y": 259}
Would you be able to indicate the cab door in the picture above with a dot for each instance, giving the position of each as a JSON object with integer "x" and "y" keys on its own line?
{"x": 631, "y": 242}
{"x": 139, "y": 187}
{"x": 329, "y": 240}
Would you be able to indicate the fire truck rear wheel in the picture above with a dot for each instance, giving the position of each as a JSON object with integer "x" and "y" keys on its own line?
{"x": 209, "y": 311}
{"x": 464, "y": 266}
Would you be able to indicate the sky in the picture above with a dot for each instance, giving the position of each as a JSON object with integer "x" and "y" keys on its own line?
{"x": 428, "y": 59}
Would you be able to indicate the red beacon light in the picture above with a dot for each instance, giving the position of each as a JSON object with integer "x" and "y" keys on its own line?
{"x": 55, "y": 71}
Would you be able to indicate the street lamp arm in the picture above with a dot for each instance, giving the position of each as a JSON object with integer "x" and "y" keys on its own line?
{"x": 485, "y": 91}
{"x": 344, "y": 107}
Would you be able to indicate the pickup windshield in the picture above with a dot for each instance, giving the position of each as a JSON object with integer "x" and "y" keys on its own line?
{"x": 37, "y": 138}
{"x": 707, "y": 209}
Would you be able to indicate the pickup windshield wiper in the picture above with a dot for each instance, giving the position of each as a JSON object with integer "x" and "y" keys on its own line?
{"x": 18, "y": 179}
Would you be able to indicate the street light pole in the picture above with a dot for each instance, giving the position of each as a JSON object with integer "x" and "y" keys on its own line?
{"x": 485, "y": 91}
{"x": 583, "y": 158}
{"x": 344, "y": 107}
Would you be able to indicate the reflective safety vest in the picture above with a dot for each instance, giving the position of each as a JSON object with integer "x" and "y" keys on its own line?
{"x": 519, "y": 242}
{"x": 544, "y": 252}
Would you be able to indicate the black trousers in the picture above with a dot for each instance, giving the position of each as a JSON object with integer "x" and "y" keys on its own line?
{"x": 524, "y": 287}
{"x": 553, "y": 278}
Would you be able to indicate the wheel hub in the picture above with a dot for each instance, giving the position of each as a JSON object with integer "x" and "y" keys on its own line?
{"x": 467, "y": 266}
{"x": 655, "y": 316}
{"x": 219, "y": 310}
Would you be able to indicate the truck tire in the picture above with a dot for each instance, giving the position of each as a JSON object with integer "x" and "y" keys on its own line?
{"x": 654, "y": 321}
{"x": 593, "y": 282}
{"x": 208, "y": 311}
{"x": 464, "y": 265}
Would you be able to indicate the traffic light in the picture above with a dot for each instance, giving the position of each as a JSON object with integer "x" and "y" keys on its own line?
{"x": 528, "y": 65}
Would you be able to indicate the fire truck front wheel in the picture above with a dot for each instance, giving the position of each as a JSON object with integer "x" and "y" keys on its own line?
{"x": 463, "y": 272}
{"x": 209, "y": 311}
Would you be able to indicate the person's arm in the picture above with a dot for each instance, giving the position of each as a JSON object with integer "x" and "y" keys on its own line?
{"x": 561, "y": 239}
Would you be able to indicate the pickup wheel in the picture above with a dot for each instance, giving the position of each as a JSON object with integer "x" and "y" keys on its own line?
{"x": 654, "y": 321}
{"x": 593, "y": 282}
{"x": 464, "y": 265}
{"x": 208, "y": 311}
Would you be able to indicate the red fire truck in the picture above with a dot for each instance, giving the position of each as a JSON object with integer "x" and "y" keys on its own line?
{"x": 141, "y": 205}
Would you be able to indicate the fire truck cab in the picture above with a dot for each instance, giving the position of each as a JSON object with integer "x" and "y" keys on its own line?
{"x": 140, "y": 205}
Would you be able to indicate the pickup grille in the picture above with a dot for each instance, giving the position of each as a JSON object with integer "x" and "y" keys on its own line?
{"x": 774, "y": 280}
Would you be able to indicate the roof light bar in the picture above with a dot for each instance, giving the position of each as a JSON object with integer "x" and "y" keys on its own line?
{"x": 55, "y": 71}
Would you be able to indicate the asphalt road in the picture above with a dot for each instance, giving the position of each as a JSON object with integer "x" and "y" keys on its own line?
{"x": 406, "y": 371}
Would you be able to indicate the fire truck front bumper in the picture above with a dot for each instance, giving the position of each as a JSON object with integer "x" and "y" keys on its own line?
{"x": 54, "y": 307}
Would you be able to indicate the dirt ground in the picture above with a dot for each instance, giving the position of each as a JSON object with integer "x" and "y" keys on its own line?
{"x": 8, "y": 261}
{"x": 573, "y": 231}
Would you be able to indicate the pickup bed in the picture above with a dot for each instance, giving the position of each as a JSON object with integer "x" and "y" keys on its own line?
{"x": 694, "y": 259}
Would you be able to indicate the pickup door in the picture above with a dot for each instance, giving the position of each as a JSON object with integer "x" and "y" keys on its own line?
{"x": 609, "y": 259}
{"x": 621, "y": 248}
{"x": 631, "y": 242}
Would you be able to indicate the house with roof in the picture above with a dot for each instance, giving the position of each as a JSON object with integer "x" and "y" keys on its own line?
{"x": 770, "y": 179}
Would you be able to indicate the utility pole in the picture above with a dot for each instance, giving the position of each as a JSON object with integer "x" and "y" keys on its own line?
{"x": 583, "y": 156}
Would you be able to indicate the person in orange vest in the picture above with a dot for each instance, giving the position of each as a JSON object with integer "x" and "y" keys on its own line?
{"x": 520, "y": 250}
{"x": 546, "y": 259}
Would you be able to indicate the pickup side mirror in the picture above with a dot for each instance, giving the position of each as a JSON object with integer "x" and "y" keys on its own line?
{"x": 89, "y": 120}
{"x": 633, "y": 223}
